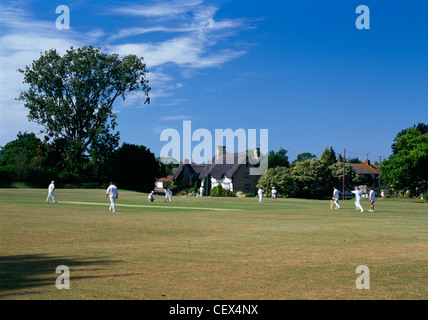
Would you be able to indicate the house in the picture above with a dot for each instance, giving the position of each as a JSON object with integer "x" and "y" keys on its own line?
{"x": 368, "y": 173}
{"x": 231, "y": 170}
{"x": 187, "y": 174}
{"x": 161, "y": 183}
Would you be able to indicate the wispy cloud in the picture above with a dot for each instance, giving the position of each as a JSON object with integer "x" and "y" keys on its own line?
{"x": 192, "y": 39}
{"x": 160, "y": 9}
{"x": 177, "y": 118}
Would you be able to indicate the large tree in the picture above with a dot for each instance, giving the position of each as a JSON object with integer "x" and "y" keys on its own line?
{"x": 72, "y": 96}
{"x": 407, "y": 168}
{"x": 352, "y": 178}
{"x": 278, "y": 159}
{"x": 133, "y": 167}
{"x": 304, "y": 156}
{"x": 329, "y": 156}
{"x": 280, "y": 178}
{"x": 313, "y": 178}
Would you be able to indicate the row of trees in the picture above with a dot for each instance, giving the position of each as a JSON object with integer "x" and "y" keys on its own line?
{"x": 30, "y": 160}
{"x": 280, "y": 158}
{"x": 405, "y": 171}
{"x": 407, "y": 168}
{"x": 312, "y": 178}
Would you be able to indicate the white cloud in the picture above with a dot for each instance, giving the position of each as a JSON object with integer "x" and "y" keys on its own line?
{"x": 158, "y": 10}
{"x": 177, "y": 118}
{"x": 192, "y": 39}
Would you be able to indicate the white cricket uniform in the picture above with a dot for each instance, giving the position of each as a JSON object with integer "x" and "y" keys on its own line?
{"x": 336, "y": 198}
{"x": 113, "y": 193}
{"x": 201, "y": 191}
{"x": 169, "y": 195}
{"x": 51, "y": 189}
{"x": 260, "y": 192}
{"x": 151, "y": 197}
{"x": 358, "y": 199}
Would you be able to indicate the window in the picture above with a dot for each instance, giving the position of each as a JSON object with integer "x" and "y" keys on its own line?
{"x": 247, "y": 187}
{"x": 247, "y": 175}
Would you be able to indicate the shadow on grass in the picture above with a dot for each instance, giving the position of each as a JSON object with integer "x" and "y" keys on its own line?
{"x": 38, "y": 270}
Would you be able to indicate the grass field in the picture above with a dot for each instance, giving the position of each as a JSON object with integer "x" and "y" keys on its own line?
{"x": 209, "y": 248}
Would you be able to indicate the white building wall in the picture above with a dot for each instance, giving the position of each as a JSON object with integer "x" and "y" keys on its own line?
{"x": 226, "y": 183}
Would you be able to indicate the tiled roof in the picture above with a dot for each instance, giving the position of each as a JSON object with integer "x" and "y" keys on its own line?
{"x": 363, "y": 168}
{"x": 168, "y": 178}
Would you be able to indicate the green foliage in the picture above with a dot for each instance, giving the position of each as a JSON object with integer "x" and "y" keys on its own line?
{"x": 133, "y": 167}
{"x": 407, "y": 168}
{"x": 351, "y": 176}
{"x": 21, "y": 160}
{"x": 24, "y": 148}
{"x": 354, "y": 160}
{"x": 280, "y": 178}
{"x": 207, "y": 186}
{"x": 421, "y": 127}
{"x": 329, "y": 156}
{"x": 307, "y": 179}
{"x": 278, "y": 159}
{"x": 217, "y": 191}
{"x": 72, "y": 96}
{"x": 312, "y": 178}
{"x": 304, "y": 156}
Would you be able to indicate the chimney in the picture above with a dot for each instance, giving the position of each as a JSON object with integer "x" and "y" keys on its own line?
{"x": 221, "y": 150}
{"x": 338, "y": 160}
{"x": 256, "y": 153}
{"x": 186, "y": 161}
{"x": 367, "y": 162}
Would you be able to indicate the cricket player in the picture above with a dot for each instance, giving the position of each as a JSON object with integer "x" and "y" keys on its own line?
{"x": 151, "y": 196}
{"x": 336, "y": 197}
{"x": 169, "y": 195}
{"x": 372, "y": 199}
{"x": 113, "y": 193}
{"x": 201, "y": 191}
{"x": 357, "y": 193}
{"x": 51, "y": 189}
{"x": 274, "y": 192}
{"x": 260, "y": 192}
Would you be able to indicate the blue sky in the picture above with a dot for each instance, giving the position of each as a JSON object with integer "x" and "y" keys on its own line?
{"x": 300, "y": 69}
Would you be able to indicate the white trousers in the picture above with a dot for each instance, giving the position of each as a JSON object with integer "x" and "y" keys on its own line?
{"x": 336, "y": 202}
{"x": 358, "y": 205}
{"x": 260, "y": 198}
{"x": 112, "y": 203}
{"x": 51, "y": 195}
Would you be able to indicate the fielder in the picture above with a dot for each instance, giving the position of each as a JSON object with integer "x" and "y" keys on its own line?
{"x": 357, "y": 193}
{"x": 260, "y": 192}
{"x": 336, "y": 197}
{"x": 201, "y": 191}
{"x": 372, "y": 199}
{"x": 51, "y": 189}
{"x": 113, "y": 193}
{"x": 274, "y": 192}
{"x": 151, "y": 196}
{"x": 168, "y": 195}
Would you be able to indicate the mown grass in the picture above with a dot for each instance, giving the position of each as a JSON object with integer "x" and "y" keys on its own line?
{"x": 188, "y": 249}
